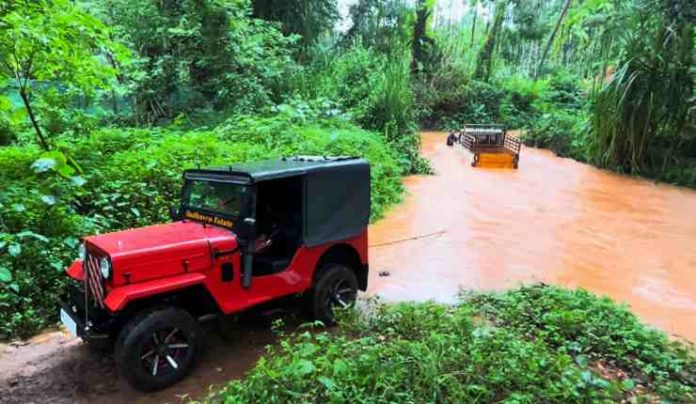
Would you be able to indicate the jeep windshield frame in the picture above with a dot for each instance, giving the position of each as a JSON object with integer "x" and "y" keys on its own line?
{"x": 223, "y": 196}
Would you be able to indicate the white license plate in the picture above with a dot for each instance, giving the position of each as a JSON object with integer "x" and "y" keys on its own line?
{"x": 68, "y": 322}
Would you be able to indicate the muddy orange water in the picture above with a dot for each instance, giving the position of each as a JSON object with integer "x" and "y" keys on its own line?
{"x": 554, "y": 220}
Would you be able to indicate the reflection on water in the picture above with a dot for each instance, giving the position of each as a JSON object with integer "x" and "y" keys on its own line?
{"x": 553, "y": 220}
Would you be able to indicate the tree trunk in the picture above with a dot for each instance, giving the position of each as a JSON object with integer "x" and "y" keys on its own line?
{"x": 488, "y": 20}
{"x": 473, "y": 26}
{"x": 39, "y": 134}
{"x": 484, "y": 62}
{"x": 564, "y": 11}
{"x": 114, "y": 101}
{"x": 420, "y": 38}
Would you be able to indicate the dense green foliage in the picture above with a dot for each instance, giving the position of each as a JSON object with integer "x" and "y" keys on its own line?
{"x": 198, "y": 55}
{"x": 312, "y": 20}
{"x": 50, "y": 44}
{"x": 535, "y": 344}
{"x": 130, "y": 178}
{"x": 644, "y": 116}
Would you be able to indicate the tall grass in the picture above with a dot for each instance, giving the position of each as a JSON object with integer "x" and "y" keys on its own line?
{"x": 393, "y": 103}
{"x": 639, "y": 115}
{"x": 374, "y": 89}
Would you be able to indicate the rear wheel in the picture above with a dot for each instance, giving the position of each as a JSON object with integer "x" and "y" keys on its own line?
{"x": 336, "y": 286}
{"x": 158, "y": 348}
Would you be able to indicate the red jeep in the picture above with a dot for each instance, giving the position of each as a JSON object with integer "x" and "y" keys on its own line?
{"x": 243, "y": 235}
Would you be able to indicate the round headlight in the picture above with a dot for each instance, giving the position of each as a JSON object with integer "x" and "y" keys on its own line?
{"x": 105, "y": 267}
{"x": 82, "y": 251}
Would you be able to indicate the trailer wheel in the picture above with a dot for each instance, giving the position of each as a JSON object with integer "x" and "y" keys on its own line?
{"x": 335, "y": 286}
{"x": 158, "y": 348}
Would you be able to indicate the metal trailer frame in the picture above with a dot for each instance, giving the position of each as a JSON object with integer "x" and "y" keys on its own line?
{"x": 487, "y": 138}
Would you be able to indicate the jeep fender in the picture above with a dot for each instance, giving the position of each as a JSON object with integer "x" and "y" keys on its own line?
{"x": 119, "y": 297}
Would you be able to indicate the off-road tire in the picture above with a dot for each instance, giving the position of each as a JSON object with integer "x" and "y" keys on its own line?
{"x": 330, "y": 279}
{"x": 138, "y": 335}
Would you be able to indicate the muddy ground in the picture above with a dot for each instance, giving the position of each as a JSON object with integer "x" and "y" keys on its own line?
{"x": 55, "y": 368}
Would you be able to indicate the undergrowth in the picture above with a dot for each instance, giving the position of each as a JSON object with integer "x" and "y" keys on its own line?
{"x": 535, "y": 344}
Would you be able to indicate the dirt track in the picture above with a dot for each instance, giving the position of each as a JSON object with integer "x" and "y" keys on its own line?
{"x": 54, "y": 368}
{"x": 553, "y": 220}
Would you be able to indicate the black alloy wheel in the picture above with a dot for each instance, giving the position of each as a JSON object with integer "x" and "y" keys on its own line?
{"x": 163, "y": 353}
{"x": 158, "y": 348}
{"x": 336, "y": 286}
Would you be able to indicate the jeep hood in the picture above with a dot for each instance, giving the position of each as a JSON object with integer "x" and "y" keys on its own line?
{"x": 161, "y": 250}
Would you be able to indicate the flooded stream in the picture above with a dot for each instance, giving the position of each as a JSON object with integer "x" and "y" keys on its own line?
{"x": 554, "y": 220}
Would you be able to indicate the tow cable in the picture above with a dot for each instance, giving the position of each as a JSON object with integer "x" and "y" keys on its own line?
{"x": 402, "y": 240}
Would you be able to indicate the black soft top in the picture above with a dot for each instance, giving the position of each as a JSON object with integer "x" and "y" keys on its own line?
{"x": 335, "y": 195}
{"x": 264, "y": 170}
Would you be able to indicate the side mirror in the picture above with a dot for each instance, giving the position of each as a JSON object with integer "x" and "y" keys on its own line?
{"x": 173, "y": 213}
{"x": 246, "y": 228}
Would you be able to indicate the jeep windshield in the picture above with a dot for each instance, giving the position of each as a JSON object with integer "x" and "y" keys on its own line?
{"x": 216, "y": 198}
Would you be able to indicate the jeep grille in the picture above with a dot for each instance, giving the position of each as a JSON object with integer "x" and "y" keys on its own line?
{"x": 94, "y": 284}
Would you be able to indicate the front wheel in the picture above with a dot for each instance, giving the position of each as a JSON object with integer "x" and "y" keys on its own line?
{"x": 158, "y": 348}
{"x": 336, "y": 286}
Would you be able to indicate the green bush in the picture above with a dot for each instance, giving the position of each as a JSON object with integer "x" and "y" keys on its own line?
{"x": 535, "y": 344}
{"x": 681, "y": 171}
{"x": 565, "y": 89}
{"x": 563, "y": 132}
{"x": 450, "y": 100}
{"x": 7, "y": 135}
{"x": 130, "y": 177}
{"x": 520, "y": 105}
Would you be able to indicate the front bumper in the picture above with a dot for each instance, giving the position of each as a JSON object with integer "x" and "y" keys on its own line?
{"x": 91, "y": 322}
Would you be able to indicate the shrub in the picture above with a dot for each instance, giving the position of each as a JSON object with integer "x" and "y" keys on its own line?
{"x": 563, "y": 132}
{"x": 535, "y": 344}
{"x": 449, "y": 101}
{"x": 520, "y": 105}
{"x": 681, "y": 171}
{"x": 564, "y": 89}
{"x": 596, "y": 330}
{"x": 36, "y": 228}
{"x": 7, "y": 135}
